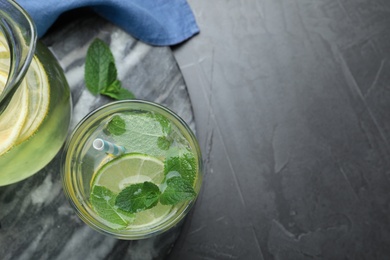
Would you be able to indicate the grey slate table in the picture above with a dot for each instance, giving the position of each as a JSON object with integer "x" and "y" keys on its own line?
{"x": 291, "y": 101}
{"x": 292, "y": 107}
{"x": 36, "y": 221}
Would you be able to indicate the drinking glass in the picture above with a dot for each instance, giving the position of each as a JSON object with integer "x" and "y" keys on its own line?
{"x": 142, "y": 140}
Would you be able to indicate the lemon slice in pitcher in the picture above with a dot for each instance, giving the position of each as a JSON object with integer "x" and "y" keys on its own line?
{"x": 39, "y": 95}
{"x": 13, "y": 118}
{"x": 3, "y": 80}
{"x": 5, "y": 60}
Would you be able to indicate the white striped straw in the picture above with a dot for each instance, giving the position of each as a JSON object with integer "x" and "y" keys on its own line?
{"x": 105, "y": 146}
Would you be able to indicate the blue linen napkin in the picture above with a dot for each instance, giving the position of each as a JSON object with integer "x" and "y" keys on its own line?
{"x": 156, "y": 22}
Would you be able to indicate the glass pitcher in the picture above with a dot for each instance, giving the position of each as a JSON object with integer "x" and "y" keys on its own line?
{"x": 35, "y": 100}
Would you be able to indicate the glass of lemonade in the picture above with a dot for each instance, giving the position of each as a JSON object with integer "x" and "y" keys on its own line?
{"x": 132, "y": 169}
{"x": 35, "y": 100}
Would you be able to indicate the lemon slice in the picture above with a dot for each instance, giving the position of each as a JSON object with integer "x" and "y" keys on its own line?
{"x": 3, "y": 80}
{"x": 39, "y": 95}
{"x": 4, "y": 63}
{"x": 4, "y": 68}
{"x": 13, "y": 118}
{"x": 149, "y": 217}
{"x": 130, "y": 169}
{"x": 28, "y": 107}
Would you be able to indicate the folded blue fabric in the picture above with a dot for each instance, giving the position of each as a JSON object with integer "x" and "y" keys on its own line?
{"x": 157, "y": 22}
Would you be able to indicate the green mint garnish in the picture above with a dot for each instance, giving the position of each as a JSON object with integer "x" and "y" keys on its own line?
{"x": 145, "y": 133}
{"x": 138, "y": 197}
{"x": 164, "y": 123}
{"x": 100, "y": 73}
{"x": 176, "y": 191}
{"x": 152, "y": 134}
{"x": 116, "y": 126}
{"x": 116, "y": 91}
{"x": 183, "y": 162}
{"x": 180, "y": 172}
{"x": 103, "y": 201}
{"x": 164, "y": 143}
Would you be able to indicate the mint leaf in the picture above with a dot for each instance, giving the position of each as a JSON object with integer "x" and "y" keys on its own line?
{"x": 116, "y": 91}
{"x": 164, "y": 122}
{"x": 103, "y": 202}
{"x": 121, "y": 94}
{"x": 142, "y": 134}
{"x": 138, "y": 197}
{"x": 183, "y": 162}
{"x": 126, "y": 216}
{"x": 99, "y": 71}
{"x": 116, "y": 126}
{"x": 177, "y": 190}
{"x": 163, "y": 143}
{"x": 114, "y": 87}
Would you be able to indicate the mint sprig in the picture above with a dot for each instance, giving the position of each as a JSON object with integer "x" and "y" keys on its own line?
{"x": 177, "y": 187}
{"x": 148, "y": 133}
{"x": 138, "y": 197}
{"x": 100, "y": 73}
{"x": 163, "y": 142}
{"x": 103, "y": 201}
{"x": 116, "y": 126}
{"x": 183, "y": 162}
{"x": 177, "y": 190}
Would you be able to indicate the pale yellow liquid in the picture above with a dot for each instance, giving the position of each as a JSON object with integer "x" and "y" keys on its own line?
{"x": 45, "y": 128}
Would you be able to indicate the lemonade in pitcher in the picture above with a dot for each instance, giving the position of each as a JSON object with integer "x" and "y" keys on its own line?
{"x": 34, "y": 122}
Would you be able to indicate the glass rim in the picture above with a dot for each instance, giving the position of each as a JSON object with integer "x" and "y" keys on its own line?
{"x": 86, "y": 214}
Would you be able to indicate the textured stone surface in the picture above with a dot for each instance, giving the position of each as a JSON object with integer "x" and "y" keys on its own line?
{"x": 292, "y": 101}
{"x": 36, "y": 221}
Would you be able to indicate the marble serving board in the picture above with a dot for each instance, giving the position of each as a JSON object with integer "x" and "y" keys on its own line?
{"x": 36, "y": 220}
